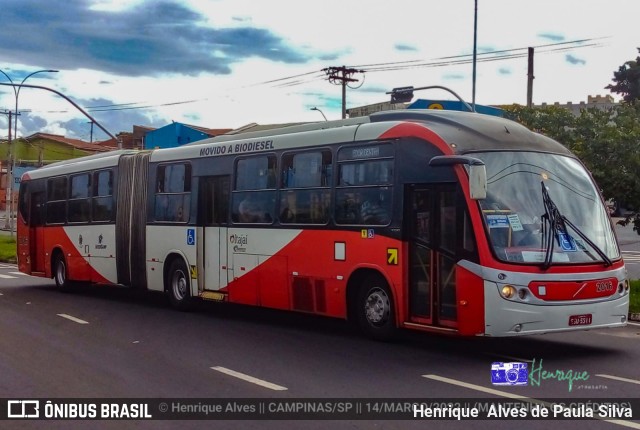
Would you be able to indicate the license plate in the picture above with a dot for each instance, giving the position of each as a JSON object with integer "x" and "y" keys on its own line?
{"x": 580, "y": 319}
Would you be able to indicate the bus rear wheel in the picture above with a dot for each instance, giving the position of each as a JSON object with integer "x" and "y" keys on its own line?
{"x": 178, "y": 285}
{"x": 374, "y": 309}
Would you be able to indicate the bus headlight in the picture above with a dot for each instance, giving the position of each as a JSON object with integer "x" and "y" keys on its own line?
{"x": 508, "y": 291}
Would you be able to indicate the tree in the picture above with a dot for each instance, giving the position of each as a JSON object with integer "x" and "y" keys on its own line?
{"x": 627, "y": 81}
{"x": 607, "y": 142}
{"x": 552, "y": 121}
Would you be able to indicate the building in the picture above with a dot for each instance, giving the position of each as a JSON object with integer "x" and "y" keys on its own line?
{"x": 376, "y": 107}
{"x": 37, "y": 150}
{"x": 134, "y": 139}
{"x": 178, "y": 134}
{"x": 598, "y": 101}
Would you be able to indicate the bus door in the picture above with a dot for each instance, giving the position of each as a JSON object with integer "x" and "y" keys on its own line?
{"x": 431, "y": 221}
{"x": 36, "y": 231}
{"x": 212, "y": 251}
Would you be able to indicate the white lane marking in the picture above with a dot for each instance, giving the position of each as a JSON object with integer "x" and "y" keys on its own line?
{"x": 476, "y": 387}
{"x": 7, "y": 276}
{"x": 249, "y": 378}
{"x": 516, "y": 396}
{"x": 74, "y": 319}
{"x": 18, "y": 273}
{"x": 619, "y": 378}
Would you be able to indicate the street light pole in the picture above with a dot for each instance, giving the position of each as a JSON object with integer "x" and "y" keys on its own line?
{"x": 475, "y": 53}
{"x": 16, "y": 91}
{"x": 8, "y": 168}
{"x": 315, "y": 108}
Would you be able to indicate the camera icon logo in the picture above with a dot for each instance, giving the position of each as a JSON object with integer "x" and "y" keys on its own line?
{"x": 515, "y": 373}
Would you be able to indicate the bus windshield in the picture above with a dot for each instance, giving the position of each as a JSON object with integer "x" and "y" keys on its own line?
{"x": 518, "y": 223}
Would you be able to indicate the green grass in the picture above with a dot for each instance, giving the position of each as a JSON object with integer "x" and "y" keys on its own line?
{"x": 634, "y": 299}
{"x": 7, "y": 249}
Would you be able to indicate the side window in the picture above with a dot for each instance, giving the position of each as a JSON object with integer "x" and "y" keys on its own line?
{"x": 365, "y": 184}
{"x": 173, "y": 192}
{"x": 253, "y": 197}
{"x": 57, "y": 200}
{"x": 102, "y": 202}
{"x": 80, "y": 198}
{"x": 306, "y": 194}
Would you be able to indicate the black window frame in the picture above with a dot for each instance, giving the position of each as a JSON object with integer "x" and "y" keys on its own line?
{"x": 250, "y": 203}
{"x": 165, "y": 201}
{"x": 306, "y": 203}
{"x": 356, "y": 203}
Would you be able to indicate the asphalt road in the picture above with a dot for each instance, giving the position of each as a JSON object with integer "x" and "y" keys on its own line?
{"x": 113, "y": 342}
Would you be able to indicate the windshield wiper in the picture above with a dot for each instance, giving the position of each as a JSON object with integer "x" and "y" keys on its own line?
{"x": 558, "y": 224}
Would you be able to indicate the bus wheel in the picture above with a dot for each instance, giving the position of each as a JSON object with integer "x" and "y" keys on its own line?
{"x": 60, "y": 273}
{"x": 375, "y": 312}
{"x": 178, "y": 285}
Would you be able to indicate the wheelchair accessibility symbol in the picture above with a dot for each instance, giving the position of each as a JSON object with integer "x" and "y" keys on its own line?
{"x": 191, "y": 236}
{"x": 567, "y": 243}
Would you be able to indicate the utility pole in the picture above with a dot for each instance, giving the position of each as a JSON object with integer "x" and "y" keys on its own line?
{"x": 91, "y": 132}
{"x": 530, "y": 79}
{"x": 342, "y": 75}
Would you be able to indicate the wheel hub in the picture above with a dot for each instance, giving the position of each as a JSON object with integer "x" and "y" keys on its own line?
{"x": 377, "y": 307}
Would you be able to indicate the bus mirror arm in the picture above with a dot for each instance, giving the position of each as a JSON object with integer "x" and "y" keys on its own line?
{"x": 477, "y": 172}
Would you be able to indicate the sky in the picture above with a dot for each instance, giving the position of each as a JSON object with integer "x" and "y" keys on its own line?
{"x": 229, "y": 63}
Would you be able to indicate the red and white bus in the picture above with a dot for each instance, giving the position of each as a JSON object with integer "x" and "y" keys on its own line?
{"x": 439, "y": 221}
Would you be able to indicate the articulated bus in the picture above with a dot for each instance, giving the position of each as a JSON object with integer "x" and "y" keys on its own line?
{"x": 440, "y": 221}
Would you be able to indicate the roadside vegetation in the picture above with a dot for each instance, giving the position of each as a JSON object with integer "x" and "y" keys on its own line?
{"x": 634, "y": 300}
{"x": 7, "y": 249}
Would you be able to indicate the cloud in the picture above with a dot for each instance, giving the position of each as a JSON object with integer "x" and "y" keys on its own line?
{"x": 31, "y": 122}
{"x": 404, "y": 47}
{"x": 574, "y": 60}
{"x": 375, "y": 89}
{"x": 554, "y": 37}
{"x": 453, "y": 76}
{"x": 79, "y": 127}
{"x": 150, "y": 38}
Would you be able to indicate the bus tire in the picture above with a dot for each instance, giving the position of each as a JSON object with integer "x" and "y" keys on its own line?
{"x": 374, "y": 309}
{"x": 178, "y": 285}
{"x": 60, "y": 274}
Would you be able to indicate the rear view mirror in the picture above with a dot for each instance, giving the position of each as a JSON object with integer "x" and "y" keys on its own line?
{"x": 478, "y": 182}
{"x": 477, "y": 172}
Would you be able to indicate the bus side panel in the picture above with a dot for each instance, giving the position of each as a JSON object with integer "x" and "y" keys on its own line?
{"x": 56, "y": 237}
{"x": 102, "y": 251}
{"x": 470, "y": 295}
{"x": 163, "y": 241}
{"x": 311, "y": 271}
